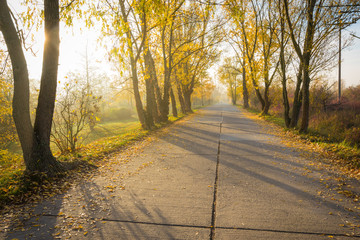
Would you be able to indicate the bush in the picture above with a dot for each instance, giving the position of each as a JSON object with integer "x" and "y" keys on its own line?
{"x": 116, "y": 114}
{"x": 338, "y": 126}
{"x": 352, "y": 136}
{"x": 76, "y": 107}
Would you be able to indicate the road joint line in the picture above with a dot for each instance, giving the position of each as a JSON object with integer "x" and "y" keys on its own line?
{"x": 213, "y": 215}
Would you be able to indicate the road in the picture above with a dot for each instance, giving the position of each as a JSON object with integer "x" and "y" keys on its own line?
{"x": 216, "y": 175}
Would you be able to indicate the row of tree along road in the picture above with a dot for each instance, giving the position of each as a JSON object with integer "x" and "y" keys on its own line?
{"x": 287, "y": 42}
{"x": 163, "y": 51}
{"x": 165, "y": 48}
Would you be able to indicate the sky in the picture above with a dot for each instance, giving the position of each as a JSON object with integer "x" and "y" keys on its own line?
{"x": 75, "y": 43}
{"x": 73, "y": 46}
{"x": 350, "y": 65}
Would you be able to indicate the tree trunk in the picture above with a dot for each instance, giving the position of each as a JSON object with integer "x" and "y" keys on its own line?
{"x": 42, "y": 158}
{"x": 21, "y": 108}
{"x": 308, "y": 45}
{"x": 187, "y": 100}
{"x": 284, "y": 90}
{"x": 133, "y": 61}
{"x": 150, "y": 103}
{"x": 297, "y": 103}
{"x": 151, "y": 106}
{"x": 245, "y": 90}
{"x": 173, "y": 103}
{"x": 286, "y": 104}
{"x": 267, "y": 103}
{"x": 257, "y": 90}
{"x": 180, "y": 95}
{"x": 154, "y": 94}
{"x": 181, "y": 100}
{"x": 164, "y": 105}
{"x": 35, "y": 142}
{"x": 305, "y": 102}
{"x": 138, "y": 102}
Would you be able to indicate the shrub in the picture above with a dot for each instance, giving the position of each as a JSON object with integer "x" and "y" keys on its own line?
{"x": 116, "y": 114}
{"x": 338, "y": 126}
{"x": 76, "y": 108}
{"x": 352, "y": 136}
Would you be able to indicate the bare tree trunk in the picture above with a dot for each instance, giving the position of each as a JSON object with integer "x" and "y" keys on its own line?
{"x": 297, "y": 103}
{"x": 138, "y": 102}
{"x": 158, "y": 100}
{"x": 173, "y": 103}
{"x": 259, "y": 96}
{"x": 21, "y": 108}
{"x": 181, "y": 100}
{"x": 287, "y": 118}
{"x": 267, "y": 103}
{"x": 180, "y": 94}
{"x": 306, "y": 102}
{"x": 245, "y": 90}
{"x": 308, "y": 45}
{"x": 286, "y": 104}
{"x": 150, "y": 103}
{"x": 257, "y": 90}
{"x": 151, "y": 106}
{"x": 154, "y": 95}
{"x": 187, "y": 100}
{"x": 42, "y": 158}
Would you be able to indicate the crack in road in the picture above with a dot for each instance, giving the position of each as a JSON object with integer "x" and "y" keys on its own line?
{"x": 213, "y": 227}
{"x": 213, "y": 216}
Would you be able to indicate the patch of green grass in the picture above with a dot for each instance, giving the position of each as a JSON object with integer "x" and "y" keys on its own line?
{"x": 96, "y": 150}
{"x": 270, "y": 118}
{"x": 274, "y": 119}
{"x": 109, "y": 129}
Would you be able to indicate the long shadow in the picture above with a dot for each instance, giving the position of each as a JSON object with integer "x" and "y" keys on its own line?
{"x": 175, "y": 139}
{"x": 37, "y": 226}
{"x": 202, "y": 148}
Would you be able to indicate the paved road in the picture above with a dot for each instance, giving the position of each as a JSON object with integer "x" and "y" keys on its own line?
{"x": 218, "y": 175}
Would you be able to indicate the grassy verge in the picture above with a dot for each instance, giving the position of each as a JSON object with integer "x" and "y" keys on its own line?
{"x": 17, "y": 187}
{"x": 340, "y": 153}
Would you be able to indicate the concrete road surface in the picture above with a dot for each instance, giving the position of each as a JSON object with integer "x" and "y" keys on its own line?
{"x": 217, "y": 175}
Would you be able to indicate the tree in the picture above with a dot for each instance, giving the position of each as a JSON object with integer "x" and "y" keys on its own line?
{"x": 76, "y": 107}
{"x": 320, "y": 19}
{"x": 35, "y": 141}
{"x": 245, "y": 18}
{"x": 236, "y": 42}
{"x": 195, "y": 39}
{"x": 257, "y": 41}
{"x": 283, "y": 40}
{"x": 268, "y": 48}
{"x": 204, "y": 90}
{"x": 227, "y": 75}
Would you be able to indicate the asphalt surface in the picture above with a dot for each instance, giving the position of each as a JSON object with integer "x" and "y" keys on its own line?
{"x": 217, "y": 175}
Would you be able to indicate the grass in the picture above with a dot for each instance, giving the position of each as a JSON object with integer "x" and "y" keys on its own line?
{"x": 16, "y": 186}
{"x": 340, "y": 152}
{"x": 270, "y": 118}
{"x": 108, "y": 130}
